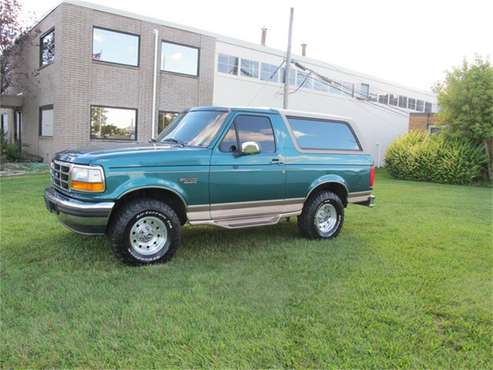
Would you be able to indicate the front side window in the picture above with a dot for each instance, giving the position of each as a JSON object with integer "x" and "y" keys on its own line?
{"x": 179, "y": 59}
{"x": 46, "y": 120}
{"x": 47, "y": 48}
{"x": 322, "y": 134}
{"x": 115, "y": 47}
{"x": 249, "y": 68}
{"x": 164, "y": 120}
{"x": 196, "y": 128}
{"x": 113, "y": 123}
{"x": 227, "y": 64}
{"x": 269, "y": 72}
{"x": 249, "y": 128}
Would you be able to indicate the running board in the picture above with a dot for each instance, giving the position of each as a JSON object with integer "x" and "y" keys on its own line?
{"x": 243, "y": 222}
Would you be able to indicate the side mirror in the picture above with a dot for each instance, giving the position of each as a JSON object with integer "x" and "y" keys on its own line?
{"x": 250, "y": 147}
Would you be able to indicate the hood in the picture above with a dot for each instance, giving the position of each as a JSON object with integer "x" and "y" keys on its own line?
{"x": 134, "y": 156}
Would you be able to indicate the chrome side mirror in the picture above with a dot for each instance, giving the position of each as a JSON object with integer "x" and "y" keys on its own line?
{"x": 250, "y": 147}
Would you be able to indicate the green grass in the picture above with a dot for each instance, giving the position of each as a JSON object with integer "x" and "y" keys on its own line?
{"x": 406, "y": 284}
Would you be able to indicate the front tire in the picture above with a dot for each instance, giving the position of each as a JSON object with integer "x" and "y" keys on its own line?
{"x": 145, "y": 231}
{"x": 322, "y": 216}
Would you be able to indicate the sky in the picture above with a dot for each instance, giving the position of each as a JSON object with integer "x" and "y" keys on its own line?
{"x": 411, "y": 43}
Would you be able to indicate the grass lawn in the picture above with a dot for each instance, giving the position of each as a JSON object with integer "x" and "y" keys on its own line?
{"x": 406, "y": 284}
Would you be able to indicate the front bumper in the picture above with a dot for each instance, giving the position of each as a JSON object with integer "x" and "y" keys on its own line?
{"x": 88, "y": 218}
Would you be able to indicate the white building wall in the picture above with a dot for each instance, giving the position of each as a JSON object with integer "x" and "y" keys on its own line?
{"x": 376, "y": 123}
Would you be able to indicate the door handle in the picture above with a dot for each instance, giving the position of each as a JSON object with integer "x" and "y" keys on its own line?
{"x": 276, "y": 160}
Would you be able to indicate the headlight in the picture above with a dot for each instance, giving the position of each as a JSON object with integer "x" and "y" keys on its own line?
{"x": 87, "y": 179}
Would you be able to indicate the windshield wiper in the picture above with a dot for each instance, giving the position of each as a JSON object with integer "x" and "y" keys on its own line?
{"x": 173, "y": 140}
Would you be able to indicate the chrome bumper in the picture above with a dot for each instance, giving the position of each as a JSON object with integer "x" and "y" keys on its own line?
{"x": 85, "y": 218}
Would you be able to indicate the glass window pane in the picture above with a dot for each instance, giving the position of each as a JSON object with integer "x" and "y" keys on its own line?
{"x": 411, "y": 103}
{"x": 428, "y": 107}
{"x": 227, "y": 64}
{"x": 393, "y": 99}
{"x": 46, "y": 125}
{"x": 258, "y": 129}
{"x": 47, "y": 48}
{"x": 249, "y": 68}
{"x": 365, "y": 90}
{"x": 292, "y": 76}
{"x": 383, "y": 99}
{"x": 229, "y": 142}
{"x": 320, "y": 86}
{"x": 113, "y": 123}
{"x": 269, "y": 72}
{"x": 419, "y": 105}
{"x": 303, "y": 79}
{"x": 179, "y": 59}
{"x": 115, "y": 47}
{"x": 164, "y": 120}
{"x": 317, "y": 134}
{"x": 403, "y": 101}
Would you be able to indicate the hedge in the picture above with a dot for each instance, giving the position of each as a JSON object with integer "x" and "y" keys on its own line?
{"x": 436, "y": 158}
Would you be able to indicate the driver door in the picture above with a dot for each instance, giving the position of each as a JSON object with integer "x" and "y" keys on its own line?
{"x": 246, "y": 184}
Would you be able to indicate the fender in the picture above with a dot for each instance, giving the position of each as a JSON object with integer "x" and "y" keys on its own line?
{"x": 327, "y": 179}
{"x": 147, "y": 183}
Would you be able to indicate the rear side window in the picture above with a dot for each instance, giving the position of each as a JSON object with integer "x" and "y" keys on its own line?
{"x": 249, "y": 128}
{"x": 323, "y": 134}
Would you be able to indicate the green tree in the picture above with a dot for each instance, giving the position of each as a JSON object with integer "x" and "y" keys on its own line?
{"x": 466, "y": 104}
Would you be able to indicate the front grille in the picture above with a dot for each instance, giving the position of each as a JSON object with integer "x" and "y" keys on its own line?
{"x": 60, "y": 174}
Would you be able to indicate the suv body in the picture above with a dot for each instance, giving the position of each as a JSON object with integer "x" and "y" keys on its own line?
{"x": 230, "y": 167}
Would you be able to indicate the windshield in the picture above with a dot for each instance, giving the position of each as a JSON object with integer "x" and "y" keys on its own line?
{"x": 193, "y": 128}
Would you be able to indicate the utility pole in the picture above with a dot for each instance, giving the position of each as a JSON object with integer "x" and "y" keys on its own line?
{"x": 288, "y": 62}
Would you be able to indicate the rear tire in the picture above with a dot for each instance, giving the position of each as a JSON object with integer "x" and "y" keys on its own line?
{"x": 322, "y": 216}
{"x": 145, "y": 231}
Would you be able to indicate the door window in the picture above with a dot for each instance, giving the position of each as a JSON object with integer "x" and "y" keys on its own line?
{"x": 249, "y": 128}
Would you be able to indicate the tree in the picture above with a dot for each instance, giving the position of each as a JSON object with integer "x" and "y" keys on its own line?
{"x": 466, "y": 104}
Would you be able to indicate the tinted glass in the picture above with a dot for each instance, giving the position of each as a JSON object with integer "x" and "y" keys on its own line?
{"x": 227, "y": 64}
{"x": 179, "y": 59}
{"x": 315, "y": 134}
{"x": 229, "y": 143}
{"x": 47, "y": 48}
{"x": 115, "y": 47}
{"x": 113, "y": 123}
{"x": 194, "y": 128}
{"x": 249, "y": 68}
{"x": 269, "y": 72}
{"x": 258, "y": 129}
{"x": 165, "y": 118}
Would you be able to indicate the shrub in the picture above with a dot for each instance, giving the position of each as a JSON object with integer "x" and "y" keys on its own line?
{"x": 423, "y": 157}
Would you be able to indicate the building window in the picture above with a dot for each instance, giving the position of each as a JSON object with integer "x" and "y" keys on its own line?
{"x": 402, "y": 101}
{"x": 113, "y": 123}
{"x": 227, "y": 64}
{"x": 419, "y": 105}
{"x": 249, "y": 68}
{"x": 303, "y": 80}
{"x": 365, "y": 90}
{"x": 115, "y": 47}
{"x": 292, "y": 76}
{"x": 383, "y": 99}
{"x": 427, "y": 107}
{"x": 320, "y": 86}
{"x": 4, "y": 127}
{"x": 164, "y": 119}
{"x": 411, "y": 103}
{"x": 269, "y": 72}
{"x": 322, "y": 134}
{"x": 46, "y": 120}
{"x": 179, "y": 59}
{"x": 393, "y": 99}
{"x": 47, "y": 48}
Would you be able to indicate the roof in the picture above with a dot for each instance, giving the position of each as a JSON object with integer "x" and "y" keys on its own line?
{"x": 237, "y": 42}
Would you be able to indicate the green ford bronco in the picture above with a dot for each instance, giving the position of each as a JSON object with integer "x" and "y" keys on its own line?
{"x": 229, "y": 167}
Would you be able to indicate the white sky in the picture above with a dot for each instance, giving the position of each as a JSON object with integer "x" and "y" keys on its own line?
{"x": 408, "y": 42}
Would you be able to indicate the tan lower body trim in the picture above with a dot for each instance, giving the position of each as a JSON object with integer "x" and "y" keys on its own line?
{"x": 359, "y": 196}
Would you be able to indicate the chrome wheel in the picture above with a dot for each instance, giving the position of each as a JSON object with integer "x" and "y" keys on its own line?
{"x": 326, "y": 218}
{"x": 148, "y": 235}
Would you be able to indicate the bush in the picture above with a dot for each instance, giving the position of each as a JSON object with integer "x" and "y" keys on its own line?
{"x": 423, "y": 157}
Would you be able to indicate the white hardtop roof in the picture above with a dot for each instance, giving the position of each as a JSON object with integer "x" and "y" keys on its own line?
{"x": 233, "y": 41}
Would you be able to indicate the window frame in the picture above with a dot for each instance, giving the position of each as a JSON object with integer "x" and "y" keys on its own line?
{"x": 115, "y": 63}
{"x": 324, "y": 150}
{"x": 233, "y": 124}
{"x": 184, "y": 45}
{"x": 40, "y": 120}
{"x": 41, "y": 65}
{"x": 237, "y": 67}
{"x": 114, "y": 107}
{"x": 240, "y": 68}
